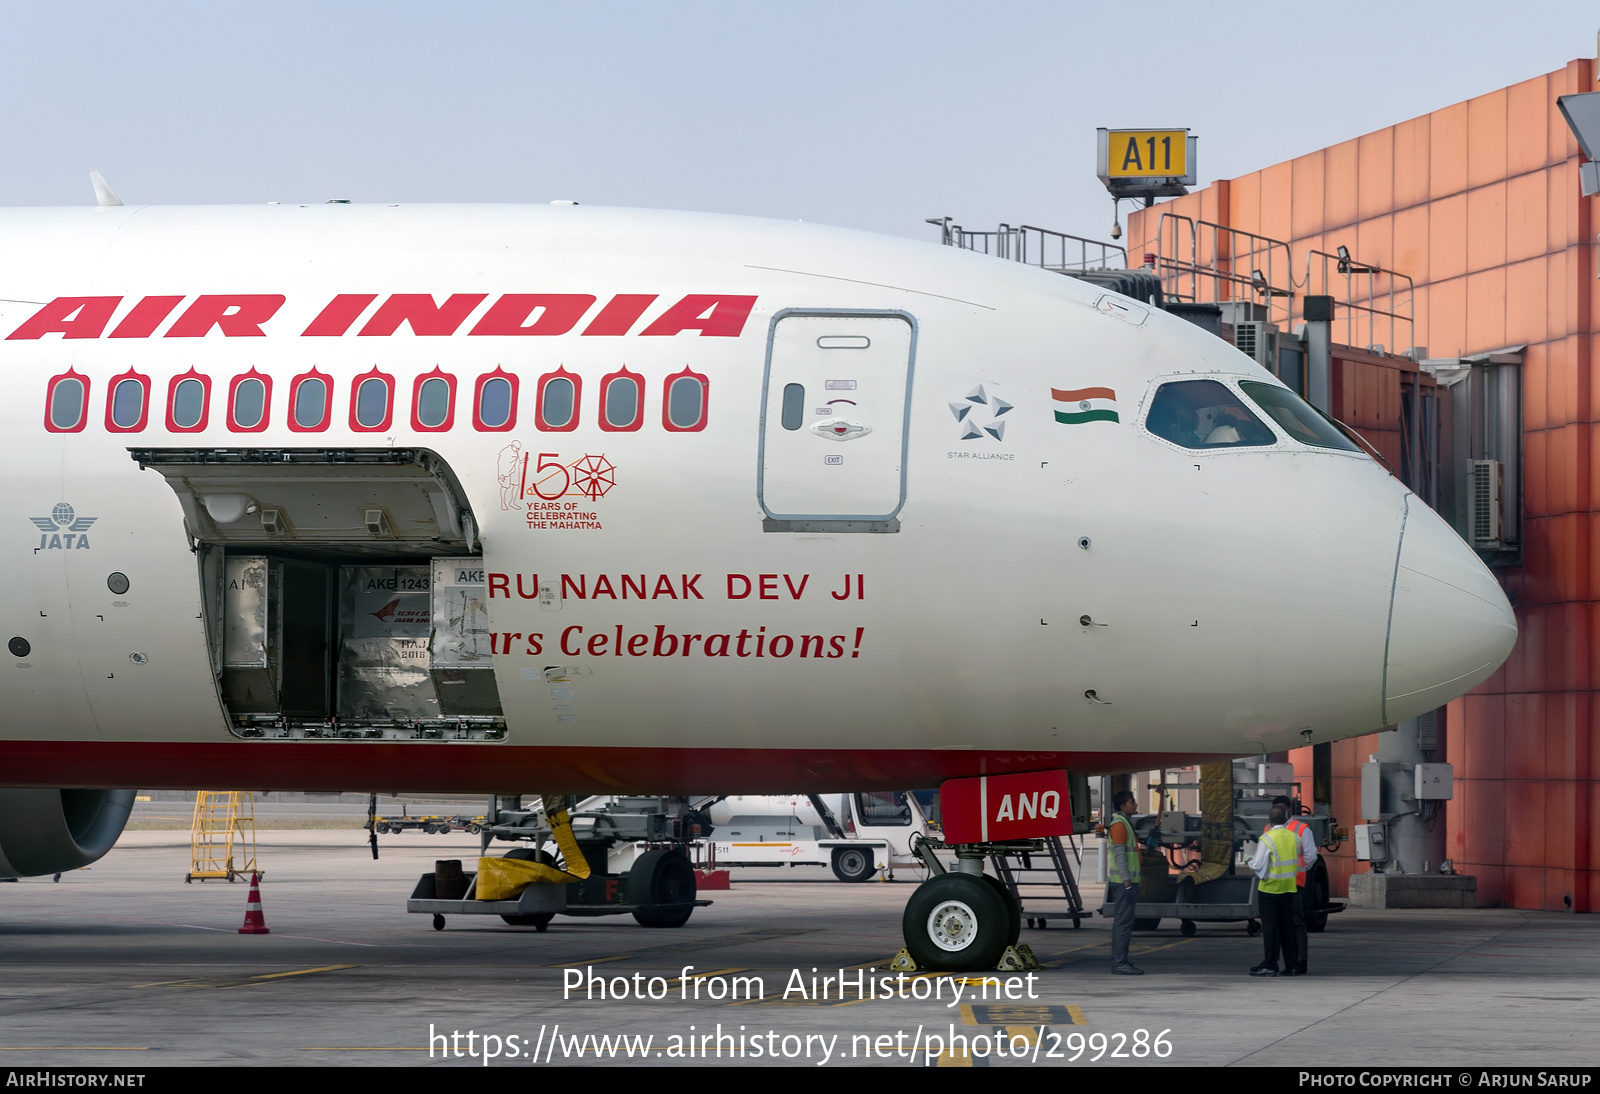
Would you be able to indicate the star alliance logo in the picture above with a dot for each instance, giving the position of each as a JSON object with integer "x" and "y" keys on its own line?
{"x": 978, "y": 401}
{"x": 63, "y": 529}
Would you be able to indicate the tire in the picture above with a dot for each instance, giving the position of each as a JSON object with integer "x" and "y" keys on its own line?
{"x": 853, "y": 864}
{"x": 428, "y": 829}
{"x": 956, "y": 922}
{"x": 662, "y": 884}
{"x": 1252, "y": 927}
{"x": 1013, "y": 906}
{"x": 1317, "y": 897}
{"x": 1186, "y": 928}
{"x": 438, "y": 921}
{"x": 539, "y": 922}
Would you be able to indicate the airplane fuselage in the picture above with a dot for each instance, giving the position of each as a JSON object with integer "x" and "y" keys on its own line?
{"x": 757, "y": 507}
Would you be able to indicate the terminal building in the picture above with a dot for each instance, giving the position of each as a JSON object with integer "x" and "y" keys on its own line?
{"x": 1449, "y": 263}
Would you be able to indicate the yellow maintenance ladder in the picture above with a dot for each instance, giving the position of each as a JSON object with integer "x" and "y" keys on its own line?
{"x": 221, "y": 819}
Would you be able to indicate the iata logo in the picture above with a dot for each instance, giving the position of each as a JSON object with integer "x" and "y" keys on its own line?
{"x": 63, "y": 529}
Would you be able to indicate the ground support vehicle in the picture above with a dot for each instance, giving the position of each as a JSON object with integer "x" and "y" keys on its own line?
{"x": 657, "y": 888}
{"x": 860, "y": 836}
{"x": 1186, "y": 893}
{"x": 430, "y": 824}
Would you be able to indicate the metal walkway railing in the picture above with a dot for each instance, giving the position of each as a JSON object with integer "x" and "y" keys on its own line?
{"x": 1035, "y": 246}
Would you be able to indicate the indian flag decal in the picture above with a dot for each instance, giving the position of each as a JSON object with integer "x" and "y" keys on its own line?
{"x": 1085, "y": 404}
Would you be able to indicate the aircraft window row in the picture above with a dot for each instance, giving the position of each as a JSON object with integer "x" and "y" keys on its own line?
{"x": 558, "y": 402}
{"x": 1205, "y": 414}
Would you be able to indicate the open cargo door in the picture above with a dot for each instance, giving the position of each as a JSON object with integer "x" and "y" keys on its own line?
{"x": 344, "y": 595}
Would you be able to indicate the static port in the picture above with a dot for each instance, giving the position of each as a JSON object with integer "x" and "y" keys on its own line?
{"x": 117, "y": 583}
{"x": 19, "y": 647}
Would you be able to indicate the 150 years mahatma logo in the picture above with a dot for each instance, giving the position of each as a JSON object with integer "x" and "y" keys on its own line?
{"x": 63, "y": 529}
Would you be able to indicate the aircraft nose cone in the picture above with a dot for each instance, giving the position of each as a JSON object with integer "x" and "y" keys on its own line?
{"x": 1450, "y": 625}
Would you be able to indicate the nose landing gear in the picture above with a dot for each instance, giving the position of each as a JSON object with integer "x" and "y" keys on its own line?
{"x": 962, "y": 920}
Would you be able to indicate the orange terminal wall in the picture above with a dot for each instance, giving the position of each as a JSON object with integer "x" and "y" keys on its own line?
{"x": 1479, "y": 203}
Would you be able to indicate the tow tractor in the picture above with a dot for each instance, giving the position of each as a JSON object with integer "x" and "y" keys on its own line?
{"x": 657, "y": 887}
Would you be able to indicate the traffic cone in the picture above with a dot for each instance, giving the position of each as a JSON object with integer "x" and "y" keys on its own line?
{"x": 254, "y": 922}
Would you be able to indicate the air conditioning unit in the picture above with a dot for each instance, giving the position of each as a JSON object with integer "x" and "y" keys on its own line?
{"x": 1486, "y": 499}
{"x": 1259, "y": 342}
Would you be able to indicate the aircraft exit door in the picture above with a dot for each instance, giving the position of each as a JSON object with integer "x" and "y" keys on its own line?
{"x": 836, "y": 405}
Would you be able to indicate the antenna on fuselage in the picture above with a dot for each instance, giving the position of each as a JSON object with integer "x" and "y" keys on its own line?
{"x": 103, "y": 194}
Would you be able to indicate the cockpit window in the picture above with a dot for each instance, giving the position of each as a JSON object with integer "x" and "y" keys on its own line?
{"x": 1205, "y": 414}
{"x": 1296, "y": 417}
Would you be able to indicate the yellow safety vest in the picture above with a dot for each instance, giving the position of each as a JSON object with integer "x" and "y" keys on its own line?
{"x": 1133, "y": 874}
{"x": 1284, "y": 848}
{"x": 1297, "y": 826}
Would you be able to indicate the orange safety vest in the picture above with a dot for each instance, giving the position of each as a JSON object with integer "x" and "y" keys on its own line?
{"x": 1296, "y": 825}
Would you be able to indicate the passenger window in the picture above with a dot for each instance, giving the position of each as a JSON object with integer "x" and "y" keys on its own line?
{"x": 794, "y": 406}
{"x": 557, "y": 401}
{"x": 433, "y": 402}
{"x": 684, "y": 408}
{"x": 1203, "y": 414}
{"x": 1297, "y": 417}
{"x": 496, "y": 396}
{"x": 310, "y": 403}
{"x": 620, "y": 402}
{"x": 68, "y": 399}
{"x": 188, "y": 403}
{"x": 372, "y": 403}
{"x": 556, "y": 408}
{"x": 127, "y": 404}
{"x": 248, "y": 411}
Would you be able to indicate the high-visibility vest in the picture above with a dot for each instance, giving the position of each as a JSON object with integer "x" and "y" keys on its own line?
{"x": 1133, "y": 875}
{"x": 1283, "y": 847}
{"x": 1297, "y": 826}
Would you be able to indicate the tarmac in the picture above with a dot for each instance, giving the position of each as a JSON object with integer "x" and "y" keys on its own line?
{"x": 124, "y": 965}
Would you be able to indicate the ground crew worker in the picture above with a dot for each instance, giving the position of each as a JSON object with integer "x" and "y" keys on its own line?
{"x": 1276, "y": 859}
{"x": 1124, "y": 874}
{"x": 1308, "y": 855}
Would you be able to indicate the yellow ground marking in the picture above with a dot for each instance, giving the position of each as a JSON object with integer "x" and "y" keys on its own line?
{"x": 954, "y": 1058}
{"x": 244, "y": 981}
{"x": 1077, "y": 1015}
{"x": 303, "y": 972}
{"x": 1029, "y": 1034}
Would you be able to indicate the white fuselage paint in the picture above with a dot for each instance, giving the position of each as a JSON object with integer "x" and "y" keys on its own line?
{"x": 1237, "y": 599}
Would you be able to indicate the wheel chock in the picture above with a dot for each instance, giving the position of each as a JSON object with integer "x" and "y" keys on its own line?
{"x": 1017, "y": 959}
{"x": 902, "y": 961}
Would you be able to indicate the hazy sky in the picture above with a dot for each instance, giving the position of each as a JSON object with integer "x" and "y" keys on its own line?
{"x": 873, "y": 115}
